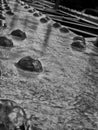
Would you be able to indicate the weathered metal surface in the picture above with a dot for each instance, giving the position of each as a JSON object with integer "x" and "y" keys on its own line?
{"x": 65, "y": 94}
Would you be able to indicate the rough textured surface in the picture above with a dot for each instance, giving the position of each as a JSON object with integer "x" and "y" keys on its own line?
{"x": 5, "y": 42}
{"x": 80, "y": 38}
{"x": 78, "y": 44}
{"x": 10, "y": 12}
{"x": 64, "y": 30}
{"x": 19, "y": 34}
{"x": 36, "y": 14}
{"x": 11, "y": 115}
{"x": 29, "y": 64}
{"x": 56, "y": 25}
{"x": 65, "y": 95}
